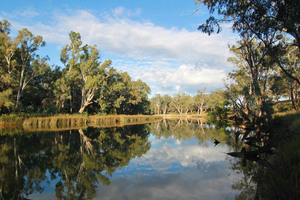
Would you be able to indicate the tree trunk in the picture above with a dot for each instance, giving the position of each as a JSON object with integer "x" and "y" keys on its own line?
{"x": 165, "y": 110}
{"x": 20, "y": 91}
{"x": 201, "y": 108}
{"x": 86, "y": 99}
{"x": 82, "y": 109}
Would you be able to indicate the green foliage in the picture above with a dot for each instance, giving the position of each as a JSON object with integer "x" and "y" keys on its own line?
{"x": 5, "y": 98}
{"x": 85, "y": 84}
{"x": 269, "y": 33}
{"x": 182, "y": 103}
{"x": 12, "y": 118}
{"x": 260, "y": 18}
{"x": 250, "y": 88}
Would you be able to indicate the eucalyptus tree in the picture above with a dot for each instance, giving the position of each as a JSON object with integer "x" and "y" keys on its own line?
{"x": 139, "y": 97}
{"x": 61, "y": 92}
{"x": 135, "y": 96}
{"x": 93, "y": 75}
{"x": 21, "y": 66}
{"x": 216, "y": 99}
{"x": 156, "y": 102}
{"x": 83, "y": 72}
{"x": 165, "y": 103}
{"x": 110, "y": 96}
{"x": 289, "y": 63}
{"x": 182, "y": 102}
{"x": 199, "y": 100}
{"x": 32, "y": 65}
{"x": 254, "y": 67}
{"x": 7, "y": 64}
{"x": 8, "y": 49}
{"x": 267, "y": 21}
{"x": 70, "y": 57}
{"x": 121, "y": 95}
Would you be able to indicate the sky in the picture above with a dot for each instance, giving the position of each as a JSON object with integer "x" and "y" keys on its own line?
{"x": 154, "y": 41}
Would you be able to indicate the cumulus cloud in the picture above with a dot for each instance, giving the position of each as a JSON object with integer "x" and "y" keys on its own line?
{"x": 165, "y": 78}
{"x": 136, "y": 39}
{"x": 145, "y": 40}
{"x": 170, "y": 60}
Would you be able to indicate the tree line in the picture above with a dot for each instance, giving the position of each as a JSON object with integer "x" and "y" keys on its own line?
{"x": 183, "y": 103}
{"x": 83, "y": 84}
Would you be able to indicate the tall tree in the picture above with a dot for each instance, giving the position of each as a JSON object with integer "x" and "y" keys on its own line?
{"x": 268, "y": 21}
{"x": 156, "y": 102}
{"x": 165, "y": 103}
{"x": 93, "y": 75}
{"x": 199, "y": 100}
{"x": 289, "y": 63}
{"x": 70, "y": 57}
{"x": 182, "y": 102}
{"x": 135, "y": 94}
{"x": 7, "y": 64}
{"x": 32, "y": 65}
{"x": 110, "y": 95}
{"x": 250, "y": 98}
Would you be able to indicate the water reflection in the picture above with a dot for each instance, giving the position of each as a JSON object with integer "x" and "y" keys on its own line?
{"x": 177, "y": 166}
{"x": 174, "y": 159}
{"x": 76, "y": 160}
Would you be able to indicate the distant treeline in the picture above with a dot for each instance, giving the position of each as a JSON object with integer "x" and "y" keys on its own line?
{"x": 183, "y": 103}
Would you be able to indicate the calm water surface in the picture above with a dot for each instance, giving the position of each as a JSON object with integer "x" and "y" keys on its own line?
{"x": 172, "y": 159}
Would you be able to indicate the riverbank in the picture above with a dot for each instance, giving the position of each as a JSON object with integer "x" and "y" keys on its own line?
{"x": 279, "y": 177}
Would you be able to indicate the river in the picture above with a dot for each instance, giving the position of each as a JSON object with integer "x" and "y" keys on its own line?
{"x": 169, "y": 159}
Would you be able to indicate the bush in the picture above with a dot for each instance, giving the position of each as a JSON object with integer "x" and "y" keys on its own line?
{"x": 50, "y": 108}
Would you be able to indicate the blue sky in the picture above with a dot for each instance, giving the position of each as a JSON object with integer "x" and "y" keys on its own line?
{"x": 155, "y": 41}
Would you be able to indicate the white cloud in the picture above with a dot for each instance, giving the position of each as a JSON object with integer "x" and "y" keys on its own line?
{"x": 170, "y": 60}
{"x": 187, "y": 155}
{"x": 21, "y": 14}
{"x": 166, "y": 78}
{"x": 135, "y": 39}
{"x": 123, "y": 12}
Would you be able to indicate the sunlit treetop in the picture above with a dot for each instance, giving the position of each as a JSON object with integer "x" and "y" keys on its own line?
{"x": 254, "y": 17}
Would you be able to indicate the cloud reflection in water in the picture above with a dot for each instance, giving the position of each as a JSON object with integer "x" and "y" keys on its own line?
{"x": 174, "y": 169}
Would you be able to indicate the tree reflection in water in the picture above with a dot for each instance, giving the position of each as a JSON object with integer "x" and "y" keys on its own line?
{"x": 75, "y": 162}
{"x": 76, "y": 159}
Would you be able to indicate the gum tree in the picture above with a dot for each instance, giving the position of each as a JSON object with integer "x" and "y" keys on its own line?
{"x": 32, "y": 65}
{"x": 83, "y": 71}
